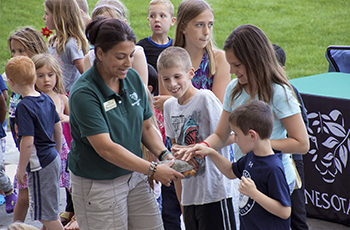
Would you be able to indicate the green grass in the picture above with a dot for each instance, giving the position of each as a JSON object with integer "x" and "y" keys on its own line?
{"x": 303, "y": 28}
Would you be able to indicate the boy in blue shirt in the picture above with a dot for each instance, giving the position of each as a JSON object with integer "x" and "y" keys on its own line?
{"x": 39, "y": 134}
{"x": 160, "y": 17}
{"x": 264, "y": 199}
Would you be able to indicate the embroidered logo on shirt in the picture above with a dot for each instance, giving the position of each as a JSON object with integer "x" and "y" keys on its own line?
{"x": 250, "y": 164}
{"x": 134, "y": 97}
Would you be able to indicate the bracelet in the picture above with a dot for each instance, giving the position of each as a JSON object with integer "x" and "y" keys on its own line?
{"x": 204, "y": 142}
{"x": 152, "y": 169}
{"x": 162, "y": 153}
{"x": 165, "y": 155}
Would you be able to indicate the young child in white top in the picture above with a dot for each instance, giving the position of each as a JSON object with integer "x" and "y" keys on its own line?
{"x": 190, "y": 116}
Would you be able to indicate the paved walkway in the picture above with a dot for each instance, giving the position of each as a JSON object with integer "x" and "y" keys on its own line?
{"x": 11, "y": 161}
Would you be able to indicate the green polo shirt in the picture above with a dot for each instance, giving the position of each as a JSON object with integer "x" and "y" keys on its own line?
{"x": 94, "y": 109}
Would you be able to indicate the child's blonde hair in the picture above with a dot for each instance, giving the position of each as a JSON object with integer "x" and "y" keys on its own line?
{"x": 115, "y": 8}
{"x": 21, "y": 71}
{"x": 41, "y": 60}
{"x": 174, "y": 57}
{"x": 188, "y": 10}
{"x": 68, "y": 24}
{"x": 167, "y": 3}
{"x": 30, "y": 38}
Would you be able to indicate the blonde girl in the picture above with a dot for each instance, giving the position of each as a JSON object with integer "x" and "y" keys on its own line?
{"x": 49, "y": 81}
{"x": 22, "y": 42}
{"x": 68, "y": 44}
{"x": 116, "y": 9}
{"x": 194, "y": 27}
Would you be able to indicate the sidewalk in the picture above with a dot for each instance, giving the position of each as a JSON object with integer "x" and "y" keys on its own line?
{"x": 11, "y": 161}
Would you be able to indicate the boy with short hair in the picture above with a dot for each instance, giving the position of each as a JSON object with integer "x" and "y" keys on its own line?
{"x": 38, "y": 128}
{"x": 160, "y": 17}
{"x": 190, "y": 116}
{"x": 265, "y": 200}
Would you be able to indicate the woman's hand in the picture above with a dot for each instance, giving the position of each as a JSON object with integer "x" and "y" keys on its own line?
{"x": 165, "y": 174}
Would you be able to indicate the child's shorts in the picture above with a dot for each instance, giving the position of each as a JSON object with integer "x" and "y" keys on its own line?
{"x": 44, "y": 191}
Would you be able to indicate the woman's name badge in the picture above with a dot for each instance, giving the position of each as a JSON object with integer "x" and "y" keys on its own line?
{"x": 111, "y": 104}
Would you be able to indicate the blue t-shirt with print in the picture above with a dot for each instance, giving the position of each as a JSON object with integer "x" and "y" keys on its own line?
{"x": 267, "y": 172}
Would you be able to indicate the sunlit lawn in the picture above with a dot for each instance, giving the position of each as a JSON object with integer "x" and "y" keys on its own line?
{"x": 303, "y": 28}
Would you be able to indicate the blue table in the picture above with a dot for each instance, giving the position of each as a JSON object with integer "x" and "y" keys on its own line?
{"x": 327, "y": 167}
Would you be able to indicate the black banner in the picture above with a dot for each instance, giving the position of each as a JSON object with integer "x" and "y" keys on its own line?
{"x": 327, "y": 169}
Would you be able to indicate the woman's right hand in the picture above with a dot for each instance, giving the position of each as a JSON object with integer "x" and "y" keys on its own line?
{"x": 165, "y": 174}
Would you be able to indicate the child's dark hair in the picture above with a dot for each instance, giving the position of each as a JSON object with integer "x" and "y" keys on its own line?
{"x": 255, "y": 115}
{"x": 107, "y": 32}
{"x": 153, "y": 79}
{"x": 280, "y": 55}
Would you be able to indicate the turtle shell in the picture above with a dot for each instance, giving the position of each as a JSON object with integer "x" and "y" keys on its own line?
{"x": 179, "y": 165}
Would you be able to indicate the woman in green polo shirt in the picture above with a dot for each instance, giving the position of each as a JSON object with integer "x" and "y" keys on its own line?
{"x": 109, "y": 117}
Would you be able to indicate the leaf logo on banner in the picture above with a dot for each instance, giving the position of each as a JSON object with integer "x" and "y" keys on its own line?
{"x": 337, "y": 143}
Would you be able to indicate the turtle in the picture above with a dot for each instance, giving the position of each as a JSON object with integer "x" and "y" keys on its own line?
{"x": 181, "y": 166}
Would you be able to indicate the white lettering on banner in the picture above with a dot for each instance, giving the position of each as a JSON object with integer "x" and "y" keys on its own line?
{"x": 324, "y": 201}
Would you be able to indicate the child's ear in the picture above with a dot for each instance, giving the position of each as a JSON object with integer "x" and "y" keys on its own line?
{"x": 11, "y": 83}
{"x": 191, "y": 72}
{"x": 173, "y": 21}
{"x": 150, "y": 88}
{"x": 253, "y": 135}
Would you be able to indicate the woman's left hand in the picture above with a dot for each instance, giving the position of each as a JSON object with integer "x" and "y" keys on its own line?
{"x": 165, "y": 174}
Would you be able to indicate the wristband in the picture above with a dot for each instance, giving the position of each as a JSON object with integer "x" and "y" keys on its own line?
{"x": 161, "y": 154}
{"x": 204, "y": 142}
{"x": 165, "y": 155}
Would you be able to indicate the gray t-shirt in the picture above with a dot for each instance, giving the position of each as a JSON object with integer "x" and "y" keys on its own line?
{"x": 190, "y": 124}
{"x": 66, "y": 59}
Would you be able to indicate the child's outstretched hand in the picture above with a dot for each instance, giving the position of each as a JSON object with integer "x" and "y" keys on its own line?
{"x": 247, "y": 187}
{"x": 159, "y": 101}
{"x": 20, "y": 176}
{"x": 199, "y": 150}
{"x": 63, "y": 117}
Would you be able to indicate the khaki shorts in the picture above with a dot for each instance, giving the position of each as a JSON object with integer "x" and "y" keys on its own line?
{"x": 123, "y": 203}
